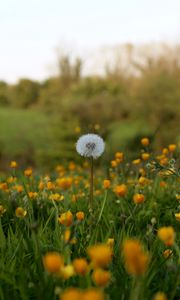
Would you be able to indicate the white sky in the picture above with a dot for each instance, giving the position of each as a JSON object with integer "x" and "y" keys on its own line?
{"x": 31, "y": 30}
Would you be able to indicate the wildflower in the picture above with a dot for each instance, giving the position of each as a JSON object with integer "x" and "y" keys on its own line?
{"x": 4, "y": 186}
{"x": 106, "y": 183}
{"x": 172, "y": 147}
{"x": 90, "y": 145}
{"x": 110, "y": 243}
{"x": 18, "y": 188}
{"x": 145, "y": 156}
{"x": 142, "y": 171}
{"x": 53, "y": 262}
{"x": 119, "y": 155}
{"x": 71, "y": 294}
{"x": 163, "y": 184}
{"x": 136, "y": 161}
{"x": 77, "y": 129}
{"x": 41, "y": 185}
{"x": 67, "y": 235}
{"x": 56, "y": 197}
{"x": 120, "y": 190}
{"x": 80, "y": 215}
{"x": 20, "y": 212}
{"x": 50, "y": 185}
{"x": 28, "y": 172}
{"x": 67, "y": 271}
{"x": 66, "y": 218}
{"x": 93, "y": 294}
{"x": 13, "y": 164}
{"x": 101, "y": 277}
{"x": 80, "y": 266}
{"x": 165, "y": 151}
{"x": 100, "y": 255}
{"x": 167, "y": 253}
{"x": 114, "y": 163}
{"x": 145, "y": 141}
{"x": 160, "y": 296}
{"x": 11, "y": 179}
{"x": 32, "y": 195}
{"x": 64, "y": 183}
{"x": 167, "y": 235}
{"x": 143, "y": 180}
{"x": 72, "y": 166}
{"x": 2, "y": 210}
{"x": 177, "y": 216}
{"x": 136, "y": 260}
{"x": 138, "y": 198}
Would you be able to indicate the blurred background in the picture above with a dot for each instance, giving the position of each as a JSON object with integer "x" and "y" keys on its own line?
{"x": 73, "y": 67}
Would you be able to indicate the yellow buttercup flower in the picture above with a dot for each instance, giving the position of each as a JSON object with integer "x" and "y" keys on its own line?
{"x": 80, "y": 266}
{"x": 53, "y": 262}
{"x": 20, "y": 212}
{"x": 101, "y": 277}
{"x": 100, "y": 255}
{"x": 138, "y": 198}
{"x": 71, "y": 294}
{"x": 93, "y": 294}
{"x": 172, "y": 147}
{"x": 56, "y": 197}
{"x": 145, "y": 156}
{"x": 136, "y": 260}
{"x": 120, "y": 190}
{"x": 67, "y": 271}
{"x": 80, "y": 215}
{"x": 167, "y": 235}
{"x": 66, "y": 218}
{"x": 145, "y": 141}
{"x": 28, "y": 172}
{"x": 160, "y": 296}
{"x": 177, "y": 216}
{"x": 13, "y": 164}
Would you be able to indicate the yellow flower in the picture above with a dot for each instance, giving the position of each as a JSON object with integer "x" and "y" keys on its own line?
{"x": 177, "y": 216}
{"x": 106, "y": 183}
{"x": 80, "y": 266}
{"x": 64, "y": 183}
{"x": 67, "y": 271}
{"x": 77, "y": 129}
{"x": 167, "y": 235}
{"x": 113, "y": 164}
{"x": 119, "y": 155}
{"x": 145, "y": 156}
{"x": 32, "y": 195}
{"x": 20, "y": 212}
{"x": 4, "y": 186}
{"x": 172, "y": 147}
{"x": 101, "y": 277}
{"x": 165, "y": 151}
{"x": 2, "y": 210}
{"x": 143, "y": 180}
{"x": 50, "y": 185}
{"x": 72, "y": 166}
{"x": 11, "y": 179}
{"x": 18, "y": 188}
{"x": 167, "y": 253}
{"x": 160, "y": 296}
{"x": 145, "y": 141}
{"x": 66, "y": 218}
{"x": 13, "y": 164}
{"x": 110, "y": 243}
{"x": 138, "y": 198}
{"x": 80, "y": 215}
{"x": 41, "y": 185}
{"x": 136, "y": 161}
{"x": 120, "y": 190}
{"x": 71, "y": 294}
{"x": 136, "y": 260}
{"x": 56, "y": 197}
{"x": 53, "y": 262}
{"x": 28, "y": 172}
{"x": 93, "y": 294}
{"x": 100, "y": 255}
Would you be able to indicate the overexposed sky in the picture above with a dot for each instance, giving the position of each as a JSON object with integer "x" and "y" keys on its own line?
{"x": 31, "y": 30}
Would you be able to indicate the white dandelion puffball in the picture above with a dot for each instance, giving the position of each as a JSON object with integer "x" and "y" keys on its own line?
{"x": 90, "y": 145}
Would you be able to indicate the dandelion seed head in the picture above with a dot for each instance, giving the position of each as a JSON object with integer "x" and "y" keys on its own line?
{"x": 90, "y": 145}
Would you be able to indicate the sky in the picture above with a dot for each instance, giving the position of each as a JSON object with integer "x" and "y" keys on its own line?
{"x": 31, "y": 31}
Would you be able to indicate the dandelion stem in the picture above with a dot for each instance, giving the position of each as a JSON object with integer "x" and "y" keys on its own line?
{"x": 91, "y": 182}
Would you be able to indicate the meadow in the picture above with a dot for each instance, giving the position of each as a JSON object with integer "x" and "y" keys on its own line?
{"x": 122, "y": 243}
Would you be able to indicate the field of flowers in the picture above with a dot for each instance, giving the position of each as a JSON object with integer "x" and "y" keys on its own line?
{"x": 86, "y": 232}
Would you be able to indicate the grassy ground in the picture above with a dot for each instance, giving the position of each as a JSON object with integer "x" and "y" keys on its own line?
{"x": 128, "y": 238}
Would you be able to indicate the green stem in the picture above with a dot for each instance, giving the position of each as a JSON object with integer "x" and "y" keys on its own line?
{"x": 91, "y": 182}
{"x": 102, "y": 207}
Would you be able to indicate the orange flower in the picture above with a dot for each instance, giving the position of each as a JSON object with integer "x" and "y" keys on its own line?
{"x": 41, "y": 185}
{"x": 13, "y": 164}
{"x": 113, "y": 164}
{"x": 53, "y": 262}
{"x": 106, "y": 183}
{"x": 93, "y": 294}
{"x": 138, "y": 198}
{"x": 50, "y": 185}
{"x": 56, "y": 197}
{"x": 80, "y": 266}
{"x": 136, "y": 260}
{"x": 101, "y": 255}
{"x": 32, "y": 195}
{"x": 120, "y": 190}
{"x": 71, "y": 294}
{"x": 177, "y": 216}
{"x": 145, "y": 156}
{"x": 101, "y": 277}
{"x": 136, "y": 161}
{"x": 145, "y": 141}
{"x": 64, "y": 183}
{"x": 66, "y": 218}
{"x": 172, "y": 147}
{"x": 167, "y": 235}
{"x": 4, "y": 186}
{"x": 28, "y": 172}
{"x": 80, "y": 215}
